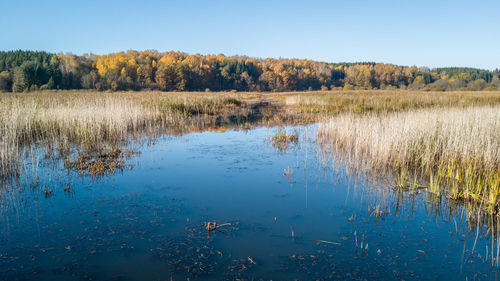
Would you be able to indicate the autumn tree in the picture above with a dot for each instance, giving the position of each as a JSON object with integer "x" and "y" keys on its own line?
{"x": 5, "y": 81}
{"x": 178, "y": 71}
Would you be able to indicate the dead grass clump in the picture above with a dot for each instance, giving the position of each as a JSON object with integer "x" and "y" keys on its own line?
{"x": 282, "y": 139}
{"x": 105, "y": 163}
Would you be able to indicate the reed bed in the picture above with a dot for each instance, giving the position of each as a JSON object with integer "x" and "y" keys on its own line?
{"x": 454, "y": 151}
{"x": 65, "y": 121}
{"x": 62, "y": 122}
{"x": 335, "y": 102}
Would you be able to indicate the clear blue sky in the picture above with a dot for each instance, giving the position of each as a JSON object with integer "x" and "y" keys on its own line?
{"x": 423, "y": 33}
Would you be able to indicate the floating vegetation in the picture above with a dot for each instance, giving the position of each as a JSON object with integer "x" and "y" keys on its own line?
{"x": 238, "y": 267}
{"x": 317, "y": 266}
{"x": 190, "y": 256}
{"x": 327, "y": 264}
{"x": 224, "y": 227}
{"x": 105, "y": 163}
{"x": 281, "y": 140}
{"x": 327, "y": 242}
{"x": 213, "y": 226}
{"x": 196, "y": 256}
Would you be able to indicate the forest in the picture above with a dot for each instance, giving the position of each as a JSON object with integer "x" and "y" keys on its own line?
{"x": 178, "y": 71}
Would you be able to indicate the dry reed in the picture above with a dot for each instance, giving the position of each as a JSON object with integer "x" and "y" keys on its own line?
{"x": 94, "y": 120}
{"x": 64, "y": 120}
{"x": 457, "y": 150}
{"x": 335, "y": 102}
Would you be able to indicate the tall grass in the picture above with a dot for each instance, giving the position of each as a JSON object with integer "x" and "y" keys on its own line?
{"x": 65, "y": 121}
{"x": 335, "y": 102}
{"x": 455, "y": 150}
{"x": 93, "y": 120}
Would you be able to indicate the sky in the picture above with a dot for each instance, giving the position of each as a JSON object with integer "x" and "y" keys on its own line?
{"x": 430, "y": 33}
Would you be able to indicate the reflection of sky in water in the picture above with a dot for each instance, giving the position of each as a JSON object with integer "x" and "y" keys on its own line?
{"x": 145, "y": 223}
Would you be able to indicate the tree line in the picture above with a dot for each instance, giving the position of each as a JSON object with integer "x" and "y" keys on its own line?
{"x": 177, "y": 71}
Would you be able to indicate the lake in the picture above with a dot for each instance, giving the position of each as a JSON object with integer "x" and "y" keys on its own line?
{"x": 230, "y": 205}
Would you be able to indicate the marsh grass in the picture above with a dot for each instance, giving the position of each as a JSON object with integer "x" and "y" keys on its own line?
{"x": 454, "y": 152}
{"x": 282, "y": 139}
{"x": 73, "y": 123}
{"x": 105, "y": 163}
{"x": 65, "y": 124}
{"x": 358, "y": 102}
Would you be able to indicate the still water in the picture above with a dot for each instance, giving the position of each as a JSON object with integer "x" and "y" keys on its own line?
{"x": 280, "y": 215}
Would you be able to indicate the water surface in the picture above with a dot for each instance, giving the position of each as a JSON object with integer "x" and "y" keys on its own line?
{"x": 285, "y": 215}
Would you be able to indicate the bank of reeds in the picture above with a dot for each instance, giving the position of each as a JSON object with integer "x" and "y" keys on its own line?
{"x": 335, "y": 102}
{"x": 453, "y": 151}
{"x": 62, "y": 121}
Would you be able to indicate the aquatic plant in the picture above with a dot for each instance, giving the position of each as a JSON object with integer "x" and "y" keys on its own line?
{"x": 105, "y": 163}
{"x": 360, "y": 102}
{"x": 282, "y": 139}
{"x": 66, "y": 124}
{"x": 454, "y": 151}
{"x": 62, "y": 124}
